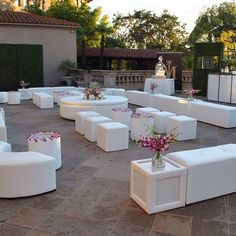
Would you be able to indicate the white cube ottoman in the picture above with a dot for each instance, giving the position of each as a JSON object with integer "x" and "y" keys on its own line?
{"x": 184, "y": 125}
{"x": 90, "y": 126}
{"x": 157, "y": 190}
{"x": 140, "y": 126}
{"x": 112, "y": 136}
{"x": 79, "y": 119}
{"x": 122, "y": 115}
{"x": 13, "y": 98}
{"x": 3, "y": 97}
{"x": 5, "y": 147}
{"x": 24, "y": 174}
{"x": 160, "y": 120}
{"x": 45, "y": 101}
{"x": 146, "y": 110}
{"x": 210, "y": 171}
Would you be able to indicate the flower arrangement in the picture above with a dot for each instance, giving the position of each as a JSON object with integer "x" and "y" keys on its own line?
{"x": 191, "y": 92}
{"x": 93, "y": 93}
{"x": 43, "y": 136}
{"x": 158, "y": 143}
{"x": 121, "y": 109}
{"x": 136, "y": 115}
{"x": 153, "y": 86}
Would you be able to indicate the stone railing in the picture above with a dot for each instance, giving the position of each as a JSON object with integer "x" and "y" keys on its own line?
{"x": 129, "y": 79}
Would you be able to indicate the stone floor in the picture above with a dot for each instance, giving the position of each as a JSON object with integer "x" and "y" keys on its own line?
{"x": 92, "y": 196}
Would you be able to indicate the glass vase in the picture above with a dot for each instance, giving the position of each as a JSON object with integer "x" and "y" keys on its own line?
{"x": 158, "y": 161}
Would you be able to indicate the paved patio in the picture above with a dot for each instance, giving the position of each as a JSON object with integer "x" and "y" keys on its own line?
{"x": 92, "y": 196}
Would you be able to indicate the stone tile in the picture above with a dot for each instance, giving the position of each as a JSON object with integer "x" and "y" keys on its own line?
{"x": 208, "y": 228}
{"x": 125, "y": 230}
{"x": 105, "y": 214}
{"x": 121, "y": 186}
{"x": 173, "y": 224}
{"x": 28, "y": 217}
{"x": 58, "y": 224}
{"x": 213, "y": 209}
{"x": 40, "y": 233}
{"x": 7, "y": 210}
{"x": 91, "y": 228}
{"x": 232, "y": 229}
{"x": 46, "y": 202}
{"x": 137, "y": 218}
{"x": 10, "y": 230}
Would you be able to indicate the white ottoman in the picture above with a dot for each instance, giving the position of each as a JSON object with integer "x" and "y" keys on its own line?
{"x": 2, "y": 113}
{"x": 210, "y": 171}
{"x": 122, "y": 115}
{"x": 79, "y": 119}
{"x": 140, "y": 126}
{"x": 3, "y": 97}
{"x": 112, "y": 136}
{"x": 5, "y": 147}
{"x": 184, "y": 125}
{"x": 160, "y": 120}
{"x": 45, "y": 101}
{"x": 146, "y": 110}
{"x": 48, "y": 143}
{"x": 13, "y": 97}
{"x": 90, "y": 126}
{"x": 3, "y": 130}
{"x": 24, "y": 174}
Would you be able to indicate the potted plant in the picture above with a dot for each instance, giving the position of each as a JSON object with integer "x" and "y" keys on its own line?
{"x": 67, "y": 66}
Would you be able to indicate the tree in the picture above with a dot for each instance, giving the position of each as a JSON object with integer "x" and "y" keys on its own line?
{"x": 213, "y": 22}
{"x": 104, "y": 29}
{"x": 144, "y": 29}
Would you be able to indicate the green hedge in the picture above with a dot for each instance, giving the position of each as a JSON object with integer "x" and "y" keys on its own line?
{"x": 200, "y": 75}
{"x": 20, "y": 62}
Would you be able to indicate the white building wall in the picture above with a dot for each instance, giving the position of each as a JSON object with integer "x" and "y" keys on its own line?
{"x": 58, "y": 44}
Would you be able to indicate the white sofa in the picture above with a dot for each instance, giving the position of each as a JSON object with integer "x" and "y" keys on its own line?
{"x": 169, "y": 103}
{"x": 5, "y": 147}
{"x": 215, "y": 114}
{"x": 3, "y": 97}
{"x": 25, "y": 174}
{"x": 138, "y": 98}
{"x": 210, "y": 171}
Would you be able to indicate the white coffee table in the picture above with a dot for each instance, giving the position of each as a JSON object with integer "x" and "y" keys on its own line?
{"x": 157, "y": 190}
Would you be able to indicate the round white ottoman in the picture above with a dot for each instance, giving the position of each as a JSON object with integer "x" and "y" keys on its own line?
{"x": 140, "y": 126}
{"x": 26, "y": 173}
{"x": 48, "y": 143}
{"x": 122, "y": 115}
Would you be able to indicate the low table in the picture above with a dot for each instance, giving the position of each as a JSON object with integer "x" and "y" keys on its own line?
{"x": 48, "y": 143}
{"x": 70, "y": 105}
{"x": 157, "y": 190}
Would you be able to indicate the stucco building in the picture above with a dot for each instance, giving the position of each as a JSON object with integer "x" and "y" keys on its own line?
{"x": 57, "y": 37}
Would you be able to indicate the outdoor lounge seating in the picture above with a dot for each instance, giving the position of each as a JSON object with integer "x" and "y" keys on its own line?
{"x": 13, "y": 98}
{"x": 211, "y": 171}
{"x": 112, "y": 136}
{"x": 146, "y": 110}
{"x": 3, "y": 130}
{"x": 3, "y": 97}
{"x": 138, "y": 98}
{"x": 5, "y": 147}
{"x": 25, "y": 174}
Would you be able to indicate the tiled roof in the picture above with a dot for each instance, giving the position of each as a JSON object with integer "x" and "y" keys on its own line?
{"x": 21, "y": 18}
{"x": 124, "y": 53}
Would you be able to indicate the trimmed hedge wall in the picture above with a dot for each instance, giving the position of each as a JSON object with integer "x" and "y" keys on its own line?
{"x": 20, "y": 62}
{"x": 200, "y": 75}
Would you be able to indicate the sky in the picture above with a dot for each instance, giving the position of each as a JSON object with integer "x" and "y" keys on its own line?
{"x": 186, "y": 10}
